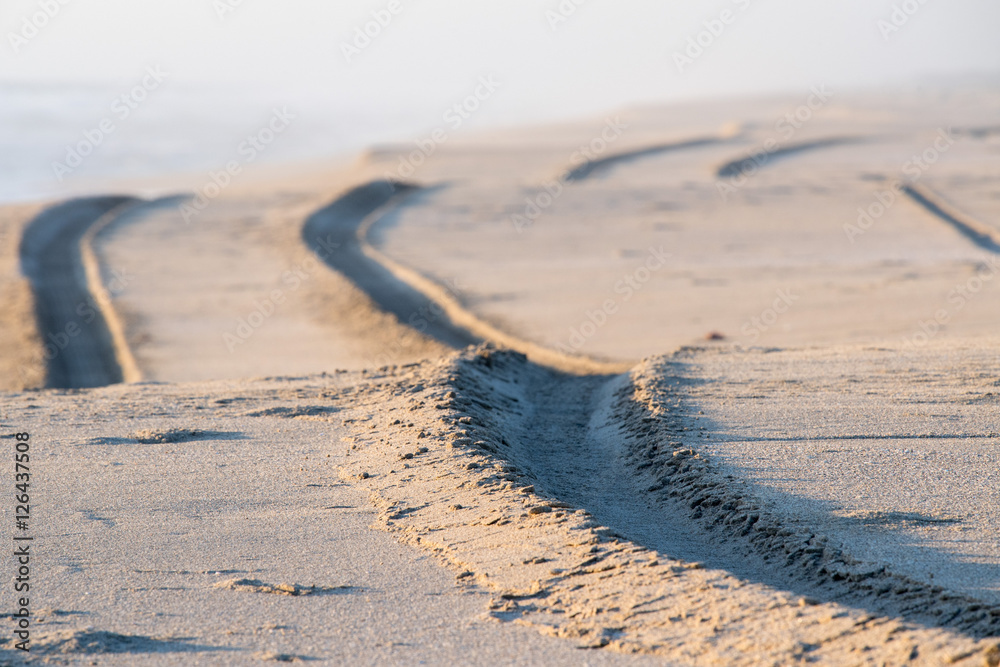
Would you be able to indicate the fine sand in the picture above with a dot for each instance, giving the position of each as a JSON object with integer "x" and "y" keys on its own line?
{"x": 729, "y": 398}
{"x": 21, "y": 364}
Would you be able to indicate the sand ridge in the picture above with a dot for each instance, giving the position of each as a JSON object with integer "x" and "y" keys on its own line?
{"x": 224, "y": 517}
{"x": 477, "y": 490}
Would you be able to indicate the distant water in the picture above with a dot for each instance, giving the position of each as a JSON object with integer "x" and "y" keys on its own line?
{"x": 45, "y": 129}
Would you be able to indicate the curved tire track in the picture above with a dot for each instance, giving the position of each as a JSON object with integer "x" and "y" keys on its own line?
{"x": 72, "y": 320}
{"x": 592, "y": 167}
{"x": 750, "y": 163}
{"x": 620, "y": 448}
{"x": 338, "y": 234}
{"x": 332, "y": 233}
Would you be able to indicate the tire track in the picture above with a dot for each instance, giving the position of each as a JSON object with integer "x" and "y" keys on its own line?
{"x": 592, "y": 167}
{"x": 82, "y": 347}
{"x": 979, "y": 233}
{"x": 95, "y": 285}
{"x": 333, "y": 233}
{"x": 751, "y": 163}
{"x": 620, "y": 448}
{"x": 338, "y": 234}
{"x": 575, "y": 502}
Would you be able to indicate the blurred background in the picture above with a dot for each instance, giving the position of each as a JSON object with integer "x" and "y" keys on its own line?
{"x": 180, "y": 85}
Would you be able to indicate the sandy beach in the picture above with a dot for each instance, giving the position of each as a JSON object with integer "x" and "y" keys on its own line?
{"x": 694, "y": 384}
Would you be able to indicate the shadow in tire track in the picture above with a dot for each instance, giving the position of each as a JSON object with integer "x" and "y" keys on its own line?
{"x": 751, "y": 163}
{"x": 79, "y": 349}
{"x": 977, "y": 232}
{"x": 595, "y": 167}
{"x": 338, "y": 232}
{"x": 333, "y": 234}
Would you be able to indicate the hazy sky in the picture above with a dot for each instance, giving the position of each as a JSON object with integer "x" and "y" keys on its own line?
{"x": 432, "y": 52}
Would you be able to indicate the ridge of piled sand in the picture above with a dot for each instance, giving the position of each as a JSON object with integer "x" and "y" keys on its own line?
{"x": 501, "y": 487}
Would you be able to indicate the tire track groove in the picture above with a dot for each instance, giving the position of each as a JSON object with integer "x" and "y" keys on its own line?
{"x": 80, "y": 346}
